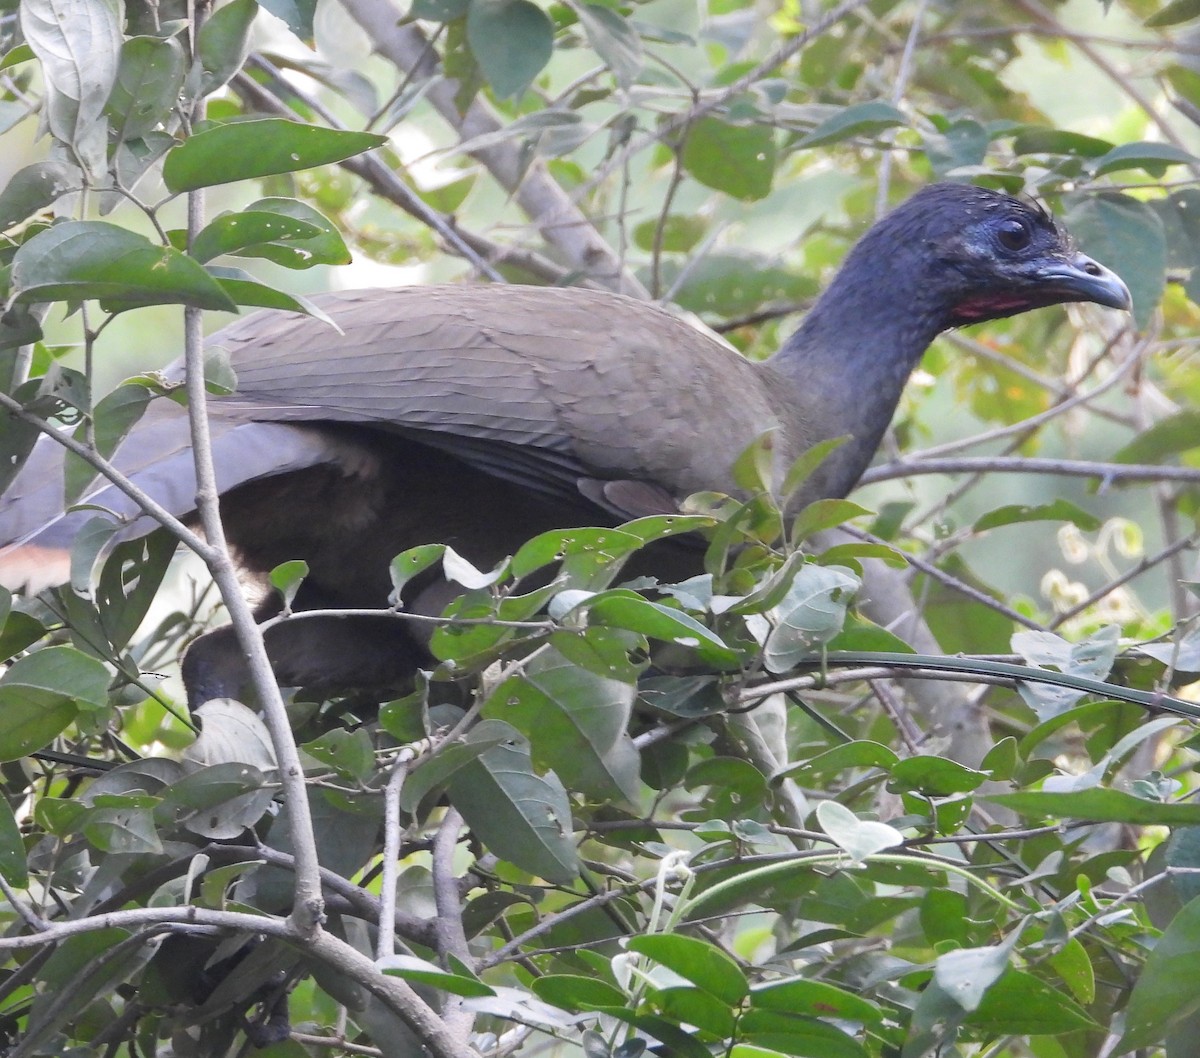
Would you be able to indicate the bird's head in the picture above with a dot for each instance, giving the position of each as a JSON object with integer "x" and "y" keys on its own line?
{"x": 996, "y": 255}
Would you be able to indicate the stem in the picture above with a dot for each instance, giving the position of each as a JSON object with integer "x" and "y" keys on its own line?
{"x": 308, "y": 906}
{"x": 1108, "y": 473}
{"x": 759, "y": 874}
{"x": 979, "y": 666}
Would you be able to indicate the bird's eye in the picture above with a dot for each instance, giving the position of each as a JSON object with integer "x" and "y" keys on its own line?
{"x": 1014, "y": 234}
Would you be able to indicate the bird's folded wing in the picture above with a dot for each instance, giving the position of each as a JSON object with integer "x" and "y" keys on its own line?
{"x": 542, "y": 387}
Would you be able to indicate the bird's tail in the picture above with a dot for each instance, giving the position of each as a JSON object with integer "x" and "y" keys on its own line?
{"x": 38, "y": 528}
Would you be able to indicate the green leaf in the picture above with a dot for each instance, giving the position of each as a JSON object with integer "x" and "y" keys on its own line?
{"x": 800, "y": 995}
{"x": 937, "y": 776}
{"x": 825, "y": 514}
{"x": 736, "y": 159}
{"x": 237, "y": 283}
{"x": 577, "y": 994}
{"x": 79, "y": 45}
{"x": 589, "y": 556}
{"x": 217, "y": 802}
{"x": 610, "y": 652}
{"x": 286, "y": 579}
{"x": 91, "y": 259}
{"x": 1099, "y": 806}
{"x": 694, "y": 1006}
{"x": 677, "y": 1042}
{"x": 13, "y": 865}
{"x": 1092, "y": 658}
{"x": 944, "y": 917}
{"x": 962, "y": 143}
{"x": 1074, "y": 966}
{"x": 812, "y": 614}
{"x": 804, "y": 466}
{"x": 792, "y": 1034}
{"x": 1180, "y": 213}
{"x": 244, "y": 150}
{"x": 233, "y": 232}
{"x": 680, "y": 233}
{"x": 576, "y": 724}
{"x": 840, "y": 759}
{"x": 147, "y": 88}
{"x": 1000, "y": 762}
{"x": 860, "y": 634}
{"x": 116, "y": 413}
{"x": 1176, "y": 433}
{"x": 860, "y": 838}
{"x": 1020, "y": 1004}
{"x": 1059, "y": 141}
{"x": 730, "y": 284}
{"x": 412, "y": 563}
{"x": 966, "y": 974}
{"x": 112, "y": 419}
{"x": 20, "y": 632}
{"x": 1175, "y": 12}
{"x": 862, "y": 119}
{"x": 439, "y": 10}
{"x": 89, "y": 543}
{"x": 768, "y": 593}
{"x": 350, "y": 753}
{"x": 127, "y": 831}
{"x": 410, "y": 968}
{"x": 230, "y": 733}
{"x": 613, "y": 39}
{"x": 436, "y": 770}
{"x": 322, "y": 246}
{"x": 1128, "y": 236}
{"x": 1055, "y": 511}
{"x": 520, "y": 816}
{"x": 298, "y": 14}
{"x": 512, "y": 40}
{"x": 695, "y": 960}
{"x": 59, "y": 816}
{"x": 15, "y": 56}
{"x": 224, "y": 42}
{"x": 622, "y": 608}
{"x": 34, "y": 187}
{"x": 40, "y": 695}
{"x": 1153, "y": 157}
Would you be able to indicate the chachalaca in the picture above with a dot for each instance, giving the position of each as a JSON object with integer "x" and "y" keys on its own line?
{"x": 479, "y": 416}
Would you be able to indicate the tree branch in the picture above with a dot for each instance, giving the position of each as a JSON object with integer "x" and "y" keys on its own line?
{"x": 561, "y": 223}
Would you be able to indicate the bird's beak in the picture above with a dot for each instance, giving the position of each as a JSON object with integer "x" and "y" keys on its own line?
{"x": 1082, "y": 279}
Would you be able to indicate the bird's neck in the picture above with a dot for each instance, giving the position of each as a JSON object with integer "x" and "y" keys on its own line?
{"x": 846, "y": 366}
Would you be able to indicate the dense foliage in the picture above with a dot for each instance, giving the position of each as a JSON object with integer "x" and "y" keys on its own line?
{"x": 768, "y": 811}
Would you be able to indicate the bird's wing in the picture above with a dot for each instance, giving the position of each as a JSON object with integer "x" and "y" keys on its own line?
{"x": 561, "y": 391}
{"x": 568, "y": 393}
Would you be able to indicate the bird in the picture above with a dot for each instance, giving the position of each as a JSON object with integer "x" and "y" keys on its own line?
{"x": 481, "y": 415}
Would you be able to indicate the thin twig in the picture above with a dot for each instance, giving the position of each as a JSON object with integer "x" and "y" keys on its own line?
{"x": 1108, "y": 473}
{"x": 452, "y": 940}
{"x": 390, "y": 859}
{"x": 308, "y": 906}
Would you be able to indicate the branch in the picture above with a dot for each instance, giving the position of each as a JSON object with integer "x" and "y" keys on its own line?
{"x": 396, "y": 994}
{"x": 480, "y": 252}
{"x": 711, "y": 101}
{"x": 147, "y": 504}
{"x": 451, "y": 938}
{"x": 972, "y": 667}
{"x": 307, "y": 904}
{"x": 561, "y": 223}
{"x": 1108, "y": 473}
